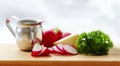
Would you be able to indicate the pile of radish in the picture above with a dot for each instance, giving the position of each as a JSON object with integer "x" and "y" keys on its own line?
{"x": 52, "y": 35}
{"x": 47, "y": 47}
{"x": 40, "y": 50}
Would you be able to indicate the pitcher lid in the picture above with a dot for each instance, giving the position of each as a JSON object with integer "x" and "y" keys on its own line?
{"x": 27, "y": 21}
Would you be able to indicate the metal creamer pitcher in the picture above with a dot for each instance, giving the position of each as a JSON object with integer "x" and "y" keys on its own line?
{"x": 26, "y": 32}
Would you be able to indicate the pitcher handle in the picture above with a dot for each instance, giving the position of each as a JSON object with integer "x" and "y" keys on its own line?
{"x": 9, "y": 27}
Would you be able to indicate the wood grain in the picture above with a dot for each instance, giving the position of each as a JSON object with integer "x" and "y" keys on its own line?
{"x": 11, "y": 55}
{"x": 58, "y": 63}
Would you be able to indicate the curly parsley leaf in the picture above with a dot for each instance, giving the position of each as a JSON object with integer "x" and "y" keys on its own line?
{"x": 94, "y": 43}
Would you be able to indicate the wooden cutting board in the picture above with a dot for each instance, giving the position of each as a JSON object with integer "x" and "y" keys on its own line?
{"x": 11, "y": 55}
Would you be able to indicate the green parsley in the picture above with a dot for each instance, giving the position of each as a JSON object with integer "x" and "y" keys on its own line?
{"x": 94, "y": 43}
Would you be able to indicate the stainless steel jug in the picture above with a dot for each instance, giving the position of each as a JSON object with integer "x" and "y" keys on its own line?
{"x": 26, "y": 32}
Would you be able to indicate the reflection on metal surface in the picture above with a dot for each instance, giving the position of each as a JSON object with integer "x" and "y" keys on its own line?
{"x": 26, "y": 32}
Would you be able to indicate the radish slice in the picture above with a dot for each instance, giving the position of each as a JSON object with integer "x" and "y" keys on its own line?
{"x": 44, "y": 52}
{"x": 35, "y": 53}
{"x": 70, "y": 50}
{"x": 36, "y": 49}
{"x": 36, "y": 40}
{"x": 60, "y": 47}
{"x": 51, "y": 50}
{"x": 56, "y": 49}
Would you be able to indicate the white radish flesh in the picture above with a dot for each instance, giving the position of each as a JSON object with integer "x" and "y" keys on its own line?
{"x": 36, "y": 49}
{"x": 60, "y": 47}
{"x": 44, "y": 52}
{"x": 69, "y": 49}
{"x": 57, "y": 50}
{"x": 51, "y": 50}
{"x": 39, "y": 50}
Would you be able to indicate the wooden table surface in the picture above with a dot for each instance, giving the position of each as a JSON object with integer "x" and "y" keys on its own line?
{"x": 11, "y": 55}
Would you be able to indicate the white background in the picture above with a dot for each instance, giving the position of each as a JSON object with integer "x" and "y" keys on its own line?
{"x": 74, "y": 16}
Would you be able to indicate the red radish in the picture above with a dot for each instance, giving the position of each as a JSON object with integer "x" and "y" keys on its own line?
{"x": 58, "y": 32}
{"x": 60, "y": 47}
{"x": 66, "y": 34}
{"x": 44, "y": 52}
{"x": 57, "y": 50}
{"x": 35, "y": 41}
{"x": 51, "y": 50}
{"x": 35, "y": 53}
{"x": 36, "y": 49}
{"x": 48, "y": 38}
{"x": 70, "y": 50}
{"x": 40, "y": 50}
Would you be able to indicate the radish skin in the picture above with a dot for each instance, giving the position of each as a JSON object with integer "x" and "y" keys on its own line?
{"x": 36, "y": 49}
{"x": 45, "y": 52}
{"x": 35, "y": 53}
{"x": 57, "y": 50}
{"x": 70, "y": 50}
{"x": 39, "y": 50}
{"x": 60, "y": 47}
